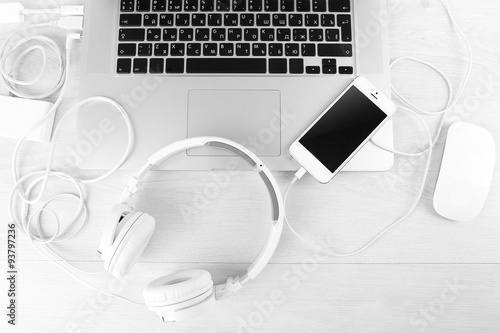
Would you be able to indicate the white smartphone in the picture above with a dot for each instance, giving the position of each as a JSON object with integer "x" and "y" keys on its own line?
{"x": 342, "y": 129}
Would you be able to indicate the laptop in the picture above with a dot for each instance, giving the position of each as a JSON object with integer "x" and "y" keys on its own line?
{"x": 257, "y": 72}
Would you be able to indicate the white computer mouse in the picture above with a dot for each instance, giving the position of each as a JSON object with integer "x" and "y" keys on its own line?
{"x": 466, "y": 172}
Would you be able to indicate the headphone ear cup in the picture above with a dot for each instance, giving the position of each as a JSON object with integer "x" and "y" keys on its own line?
{"x": 181, "y": 295}
{"x": 134, "y": 233}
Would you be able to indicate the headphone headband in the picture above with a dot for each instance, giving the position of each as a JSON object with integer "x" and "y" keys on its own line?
{"x": 233, "y": 283}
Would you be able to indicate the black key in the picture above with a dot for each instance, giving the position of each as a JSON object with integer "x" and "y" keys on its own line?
{"x": 275, "y": 49}
{"x": 170, "y": 34}
{"x": 296, "y": 66}
{"x": 277, "y": 66}
{"x": 143, "y": 5}
{"x": 167, "y": 20}
{"x": 159, "y": 5}
{"x": 335, "y": 50}
{"x": 279, "y": 20}
{"x": 254, "y": 5}
{"x": 226, "y": 49}
{"x": 154, "y": 34}
{"x": 259, "y": 49}
{"x": 295, "y": 20}
{"x": 177, "y": 49}
{"x": 132, "y": 35}
{"x": 316, "y": 35}
{"x": 194, "y": 49}
{"x": 271, "y": 5}
{"x": 182, "y": 20}
{"x": 251, "y": 34}
{"x": 130, "y": 20}
{"x": 242, "y": 49}
{"x": 319, "y": 5}
{"x": 332, "y": 35}
{"x": 300, "y": 34}
{"x": 284, "y": 35}
{"x": 308, "y": 50}
{"x": 344, "y": 22}
{"x": 329, "y": 66}
{"x": 150, "y": 20}
{"x": 124, "y": 66}
{"x": 234, "y": 34}
{"x": 145, "y": 50}
{"x": 227, "y": 65}
{"x": 219, "y": 34}
{"x": 287, "y": 5}
{"x": 190, "y": 5}
{"x": 291, "y": 50}
{"x": 339, "y": 5}
{"x": 247, "y": 20}
{"x": 303, "y": 5}
{"x": 214, "y": 19}
{"x": 156, "y": 66}
{"x": 161, "y": 49}
{"x": 329, "y": 70}
{"x": 202, "y": 34}
{"x": 175, "y": 66}
{"x": 267, "y": 34}
{"x": 126, "y": 50}
{"x": 206, "y": 5}
{"x": 239, "y": 5}
{"x": 127, "y": 6}
{"x": 140, "y": 66}
{"x": 328, "y": 20}
{"x": 210, "y": 49}
{"x": 185, "y": 34}
{"x": 174, "y": 5}
{"x": 263, "y": 20}
{"x": 230, "y": 19}
{"x": 312, "y": 69}
{"x": 223, "y": 5}
{"x": 199, "y": 20}
{"x": 346, "y": 70}
{"x": 312, "y": 20}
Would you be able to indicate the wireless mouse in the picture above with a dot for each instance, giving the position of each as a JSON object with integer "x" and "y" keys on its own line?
{"x": 466, "y": 172}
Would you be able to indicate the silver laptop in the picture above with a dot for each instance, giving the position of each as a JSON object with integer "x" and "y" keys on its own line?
{"x": 254, "y": 71}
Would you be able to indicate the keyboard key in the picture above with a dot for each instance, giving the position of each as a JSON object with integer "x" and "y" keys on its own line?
{"x": 210, "y": 49}
{"x": 276, "y": 49}
{"x": 182, "y": 20}
{"x": 247, "y": 20}
{"x": 186, "y": 34}
{"x": 230, "y": 19}
{"x": 332, "y": 35}
{"x": 239, "y": 5}
{"x": 132, "y": 35}
{"x": 159, "y": 5}
{"x": 156, "y": 66}
{"x": 166, "y": 20}
{"x": 335, "y": 50}
{"x": 344, "y": 22}
{"x": 329, "y": 66}
{"x": 127, "y": 5}
{"x": 154, "y": 34}
{"x": 170, "y": 34}
{"x": 140, "y": 66}
{"x": 145, "y": 50}
{"x": 143, "y": 5}
{"x": 206, "y": 5}
{"x": 259, "y": 49}
{"x": 199, "y": 20}
{"x": 190, "y": 5}
{"x": 339, "y": 5}
{"x": 295, "y": 20}
{"x": 194, "y": 49}
{"x": 316, "y": 35}
{"x": 279, "y": 20}
{"x": 218, "y": 34}
{"x": 242, "y": 49}
{"x": 312, "y": 20}
{"x": 177, "y": 49}
{"x": 312, "y": 69}
{"x": 263, "y": 20}
{"x": 308, "y": 50}
{"x": 174, "y": 5}
{"x": 126, "y": 50}
{"x": 254, "y": 5}
{"x": 222, "y": 5}
{"x": 267, "y": 34}
{"x": 284, "y": 35}
{"x": 161, "y": 49}
{"x": 175, "y": 66}
{"x": 346, "y": 70}
{"x": 300, "y": 34}
{"x": 227, "y": 65}
{"x": 202, "y": 34}
{"x": 277, "y": 66}
{"x": 292, "y": 49}
{"x": 251, "y": 34}
{"x": 124, "y": 66}
{"x": 234, "y": 34}
{"x": 271, "y": 5}
{"x": 303, "y": 5}
{"x": 130, "y": 20}
{"x": 226, "y": 49}
{"x": 150, "y": 20}
{"x": 214, "y": 20}
{"x": 328, "y": 20}
{"x": 287, "y": 5}
{"x": 296, "y": 66}
{"x": 319, "y": 5}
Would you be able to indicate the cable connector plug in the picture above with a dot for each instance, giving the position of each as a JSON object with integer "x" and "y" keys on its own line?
{"x": 70, "y": 23}
{"x": 300, "y": 173}
{"x": 63, "y": 11}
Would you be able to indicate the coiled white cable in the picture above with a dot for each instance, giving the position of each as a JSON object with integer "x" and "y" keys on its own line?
{"x": 432, "y": 142}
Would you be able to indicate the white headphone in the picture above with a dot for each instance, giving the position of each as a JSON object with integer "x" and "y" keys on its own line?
{"x": 186, "y": 294}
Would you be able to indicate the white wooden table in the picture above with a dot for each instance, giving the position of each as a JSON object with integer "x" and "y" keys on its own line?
{"x": 427, "y": 275}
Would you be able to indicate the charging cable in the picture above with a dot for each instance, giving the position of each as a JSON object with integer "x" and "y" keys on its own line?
{"x": 413, "y": 109}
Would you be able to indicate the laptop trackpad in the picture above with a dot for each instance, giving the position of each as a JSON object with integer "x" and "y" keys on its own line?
{"x": 249, "y": 117}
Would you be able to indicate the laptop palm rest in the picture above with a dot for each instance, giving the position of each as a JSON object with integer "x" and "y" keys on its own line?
{"x": 249, "y": 117}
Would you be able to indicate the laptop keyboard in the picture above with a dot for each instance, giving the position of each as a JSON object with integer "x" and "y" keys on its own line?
{"x": 275, "y": 37}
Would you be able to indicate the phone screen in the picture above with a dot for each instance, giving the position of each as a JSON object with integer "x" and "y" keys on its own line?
{"x": 343, "y": 129}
